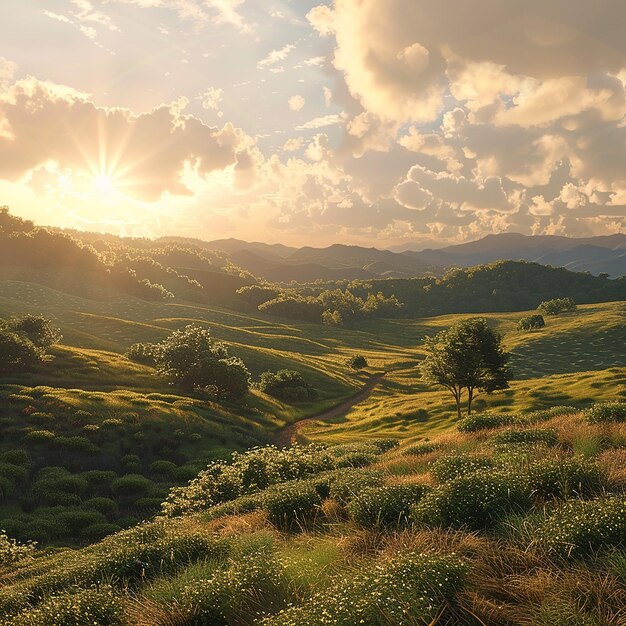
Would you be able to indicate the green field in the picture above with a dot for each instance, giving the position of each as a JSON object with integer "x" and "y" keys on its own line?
{"x": 98, "y": 409}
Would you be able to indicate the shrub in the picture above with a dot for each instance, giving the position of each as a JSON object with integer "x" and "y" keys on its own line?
{"x": 39, "y": 436}
{"x": 349, "y": 483}
{"x": 143, "y": 353}
{"x": 12, "y": 551}
{"x": 287, "y": 385}
{"x": 606, "y": 412}
{"x": 563, "y": 478}
{"x": 384, "y": 445}
{"x": 106, "y": 506}
{"x": 584, "y": 526}
{"x": 18, "y": 456}
{"x": 163, "y": 468}
{"x": 95, "y": 532}
{"x": 485, "y": 421}
{"x": 421, "y": 448}
{"x": 77, "y": 444}
{"x": 547, "y": 436}
{"x": 408, "y": 589}
{"x": 385, "y": 507}
{"x": 454, "y": 465}
{"x": 247, "y": 473}
{"x": 356, "y": 459}
{"x": 76, "y": 519}
{"x": 530, "y": 322}
{"x": 131, "y": 486}
{"x": 556, "y": 306}
{"x": 96, "y": 607}
{"x": 357, "y": 362}
{"x": 292, "y": 506}
{"x": 238, "y": 593}
{"x": 476, "y": 501}
{"x": 99, "y": 480}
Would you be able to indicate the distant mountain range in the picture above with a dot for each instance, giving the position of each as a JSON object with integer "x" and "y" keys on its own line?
{"x": 279, "y": 263}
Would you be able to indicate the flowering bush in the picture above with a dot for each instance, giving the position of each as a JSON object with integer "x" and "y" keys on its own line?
{"x": 238, "y": 593}
{"x": 409, "y": 589}
{"x": 347, "y": 484}
{"x": 11, "y": 551}
{"x": 603, "y": 412}
{"x": 563, "y": 478}
{"x": 96, "y": 607}
{"x": 475, "y": 501}
{"x": 450, "y": 467}
{"x": 385, "y": 507}
{"x": 583, "y": 526}
{"x": 292, "y": 506}
{"x": 485, "y": 421}
{"x": 258, "y": 468}
{"x": 547, "y": 436}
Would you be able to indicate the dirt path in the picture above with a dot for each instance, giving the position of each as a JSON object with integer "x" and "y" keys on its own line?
{"x": 287, "y": 435}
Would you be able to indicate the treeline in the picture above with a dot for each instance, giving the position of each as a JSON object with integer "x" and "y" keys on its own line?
{"x": 83, "y": 263}
{"x": 494, "y": 287}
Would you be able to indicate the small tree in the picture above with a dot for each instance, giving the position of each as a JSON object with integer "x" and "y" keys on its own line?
{"x": 530, "y": 322}
{"x": 466, "y": 357}
{"x": 190, "y": 358}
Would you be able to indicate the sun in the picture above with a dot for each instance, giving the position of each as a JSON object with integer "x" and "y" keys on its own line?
{"x": 104, "y": 184}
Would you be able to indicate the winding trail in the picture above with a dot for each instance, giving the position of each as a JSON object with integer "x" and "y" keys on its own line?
{"x": 287, "y": 435}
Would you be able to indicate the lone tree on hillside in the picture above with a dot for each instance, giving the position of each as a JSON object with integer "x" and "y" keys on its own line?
{"x": 190, "y": 358}
{"x": 466, "y": 356}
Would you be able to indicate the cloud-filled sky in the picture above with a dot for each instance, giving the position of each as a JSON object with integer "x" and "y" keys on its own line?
{"x": 388, "y": 123}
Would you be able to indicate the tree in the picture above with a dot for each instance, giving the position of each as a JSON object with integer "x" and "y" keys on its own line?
{"x": 287, "y": 385}
{"x": 18, "y": 353}
{"x": 38, "y": 329}
{"x": 190, "y": 358}
{"x": 466, "y": 357}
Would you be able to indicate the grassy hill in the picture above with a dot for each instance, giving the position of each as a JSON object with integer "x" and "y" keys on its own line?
{"x": 508, "y": 522}
{"x": 92, "y": 407}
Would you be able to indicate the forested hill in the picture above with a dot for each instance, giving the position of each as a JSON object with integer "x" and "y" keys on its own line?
{"x": 85, "y": 263}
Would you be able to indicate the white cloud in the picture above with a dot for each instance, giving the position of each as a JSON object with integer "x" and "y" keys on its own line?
{"x": 275, "y": 56}
{"x": 296, "y": 102}
{"x": 321, "y": 122}
{"x": 211, "y": 99}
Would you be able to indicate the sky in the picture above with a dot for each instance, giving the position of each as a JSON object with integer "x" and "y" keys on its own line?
{"x": 388, "y": 123}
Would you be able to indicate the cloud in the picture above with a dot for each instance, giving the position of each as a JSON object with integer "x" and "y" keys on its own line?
{"x": 211, "y": 99}
{"x": 144, "y": 155}
{"x": 296, "y": 103}
{"x": 399, "y": 58}
{"x": 275, "y": 56}
{"x": 321, "y": 122}
{"x": 7, "y": 71}
{"x": 198, "y": 11}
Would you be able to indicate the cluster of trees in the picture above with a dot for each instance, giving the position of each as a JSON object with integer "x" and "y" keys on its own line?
{"x": 333, "y": 306}
{"x": 557, "y": 305}
{"x": 24, "y": 342}
{"x": 493, "y": 287}
{"x": 191, "y": 359}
